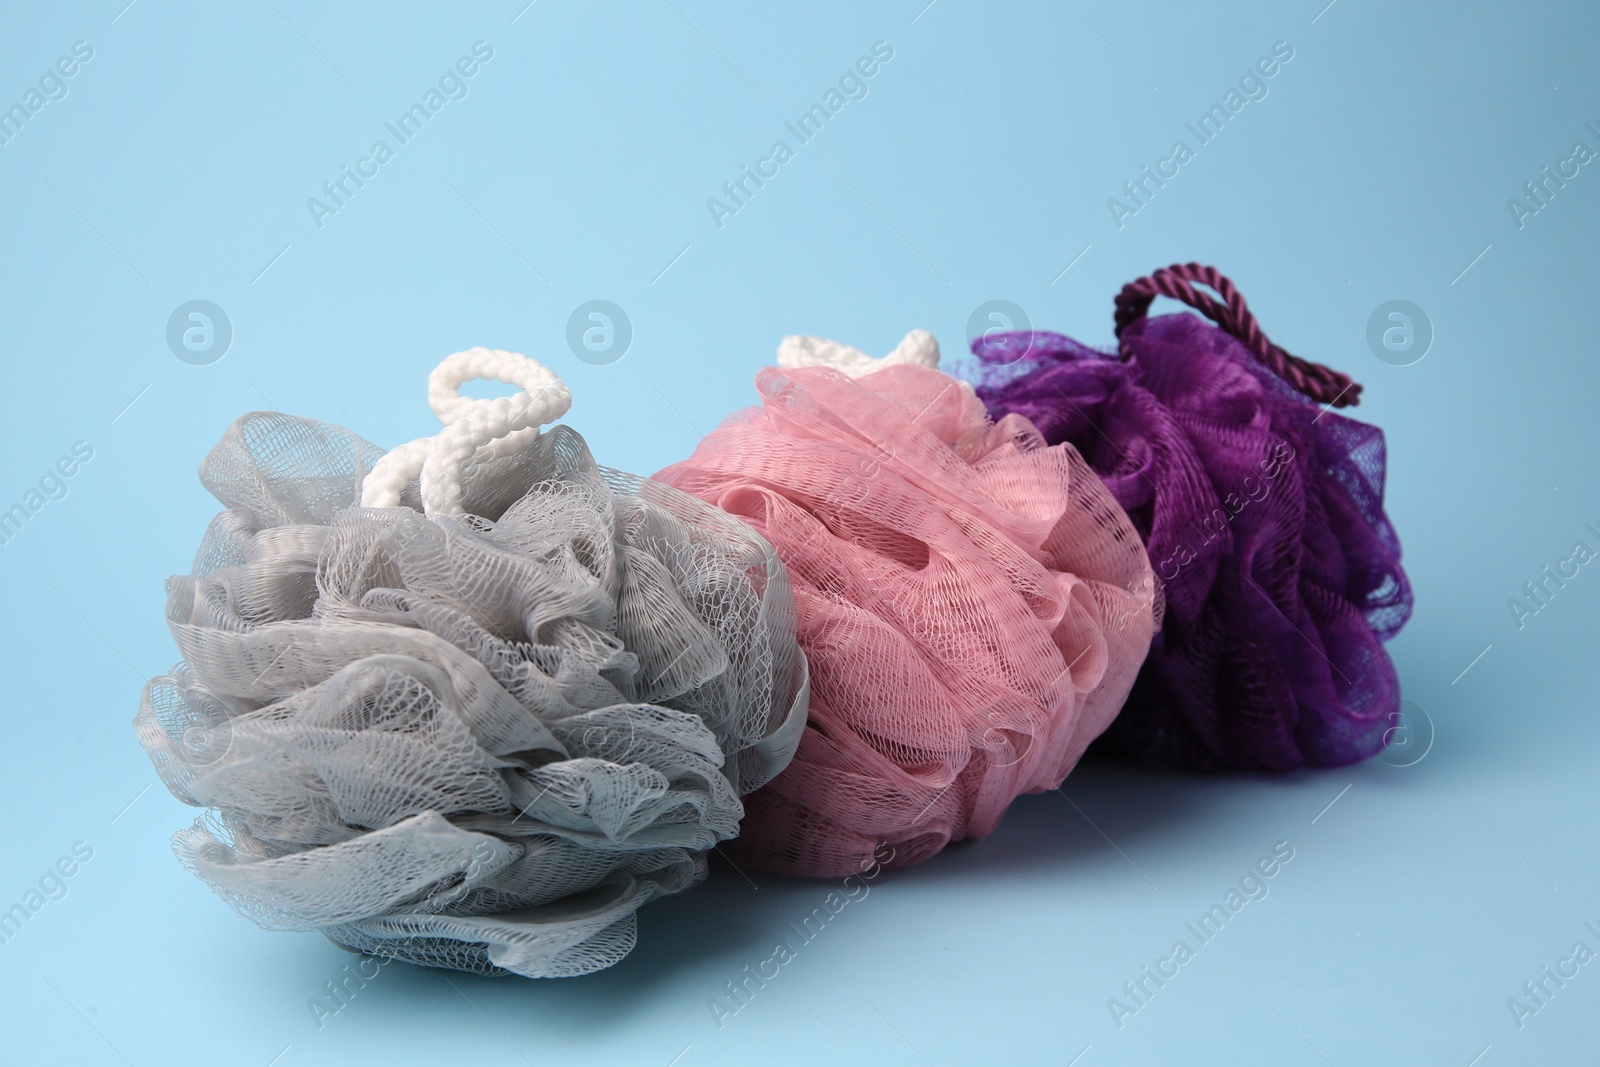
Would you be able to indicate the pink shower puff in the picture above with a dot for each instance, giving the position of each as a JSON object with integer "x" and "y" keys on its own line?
{"x": 973, "y": 603}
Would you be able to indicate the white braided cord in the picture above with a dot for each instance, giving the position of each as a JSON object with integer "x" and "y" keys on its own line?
{"x": 919, "y": 348}
{"x": 474, "y": 429}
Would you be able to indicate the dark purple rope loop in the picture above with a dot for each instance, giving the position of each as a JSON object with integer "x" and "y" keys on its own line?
{"x": 1322, "y": 384}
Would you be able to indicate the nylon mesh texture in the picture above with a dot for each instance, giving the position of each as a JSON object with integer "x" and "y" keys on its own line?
{"x": 482, "y": 742}
{"x": 1264, "y": 518}
{"x": 972, "y": 602}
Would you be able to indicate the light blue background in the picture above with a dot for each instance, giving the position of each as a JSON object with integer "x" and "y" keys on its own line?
{"x": 978, "y": 167}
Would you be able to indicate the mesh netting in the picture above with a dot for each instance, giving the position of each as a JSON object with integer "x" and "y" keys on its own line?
{"x": 478, "y": 742}
{"x": 973, "y": 604}
{"x": 1263, "y": 515}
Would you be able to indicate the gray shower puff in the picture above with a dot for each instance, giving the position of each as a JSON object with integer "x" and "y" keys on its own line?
{"x": 478, "y": 742}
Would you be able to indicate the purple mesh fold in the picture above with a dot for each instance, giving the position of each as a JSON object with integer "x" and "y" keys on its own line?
{"x": 1263, "y": 517}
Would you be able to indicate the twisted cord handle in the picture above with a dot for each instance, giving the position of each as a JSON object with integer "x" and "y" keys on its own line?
{"x": 1322, "y": 384}
{"x": 474, "y": 430}
{"x": 918, "y": 348}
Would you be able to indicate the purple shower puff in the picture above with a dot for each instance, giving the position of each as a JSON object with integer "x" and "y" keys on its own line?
{"x": 1263, "y": 516}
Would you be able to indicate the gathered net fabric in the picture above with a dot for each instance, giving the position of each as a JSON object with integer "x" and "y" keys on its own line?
{"x": 478, "y": 742}
{"x": 973, "y": 604}
{"x": 1263, "y": 516}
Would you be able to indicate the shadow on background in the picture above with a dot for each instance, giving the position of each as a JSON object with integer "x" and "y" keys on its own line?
{"x": 1111, "y": 818}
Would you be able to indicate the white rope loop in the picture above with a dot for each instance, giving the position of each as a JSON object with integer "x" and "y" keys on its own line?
{"x": 382, "y": 486}
{"x": 475, "y": 429}
{"x": 919, "y": 348}
{"x": 486, "y": 364}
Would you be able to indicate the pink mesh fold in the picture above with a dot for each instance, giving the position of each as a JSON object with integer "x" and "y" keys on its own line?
{"x": 973, "y": 603}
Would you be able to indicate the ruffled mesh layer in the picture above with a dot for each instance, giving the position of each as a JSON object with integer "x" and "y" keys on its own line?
{"x": 479, "y": 742}
{"x": 973, "y": 604}
{"x": 1263, "y": 515}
